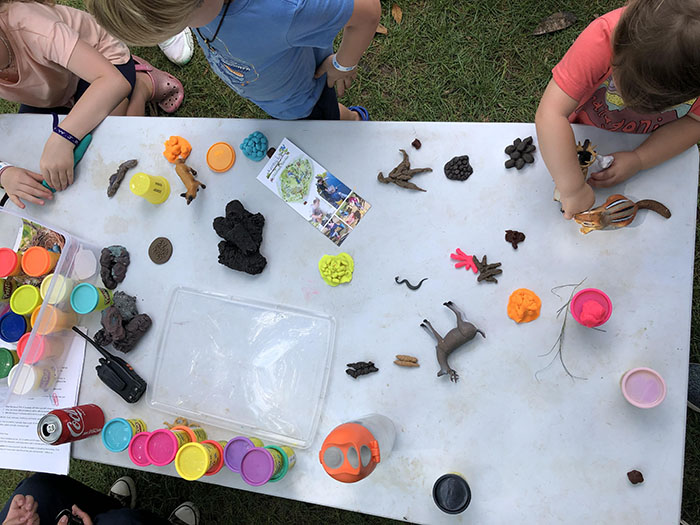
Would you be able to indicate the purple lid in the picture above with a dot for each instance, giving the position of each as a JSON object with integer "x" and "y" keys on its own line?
{"x": 137, "y": 449}
{"x": 235, "y": 450}
{"x": 643, "y": 387}
{"x": 257, "y": 466}
{"x": 161, "y": 447}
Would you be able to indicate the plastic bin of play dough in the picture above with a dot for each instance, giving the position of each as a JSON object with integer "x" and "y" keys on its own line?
{"x": 255, "y": 368}
{"x": 78, "y": 262}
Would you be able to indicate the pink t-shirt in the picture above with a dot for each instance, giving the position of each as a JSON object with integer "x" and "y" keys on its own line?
{"x": 42, "y": 38}
{"x": 585, "y": 74}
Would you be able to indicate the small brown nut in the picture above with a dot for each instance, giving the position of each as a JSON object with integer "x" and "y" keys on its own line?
{"x": 416, "y": 144}
{"x": 406, "y": 363}
{"x": 408, "y": 358}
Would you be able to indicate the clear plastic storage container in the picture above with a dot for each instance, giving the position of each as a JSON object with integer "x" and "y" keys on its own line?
{"x": 44, "y": 348}
{"x": 252, "y": 367}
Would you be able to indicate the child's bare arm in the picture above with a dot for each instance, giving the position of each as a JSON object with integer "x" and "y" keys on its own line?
{"x": 666, "y": 142}
{"x": 107, "y": 89}
{"x": 357, "y": 36}
{"x": 558, "y": 147}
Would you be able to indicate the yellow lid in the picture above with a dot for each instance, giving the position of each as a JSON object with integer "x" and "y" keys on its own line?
{"x": 192, "y": 461}
{"x": 61, "y": 289}
{"x": 25, "y": 299}
{"x": 221, "y": 157}
{"x": 140, "y": 183}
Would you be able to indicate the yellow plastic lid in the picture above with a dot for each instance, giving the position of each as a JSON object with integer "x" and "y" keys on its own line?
{"x": 25, "y": 299}
{"x": 192, "y": 461}
{"x": 140, "y": 183}
{"x": 61, "y": 289}
{"x": 221, "y": 157}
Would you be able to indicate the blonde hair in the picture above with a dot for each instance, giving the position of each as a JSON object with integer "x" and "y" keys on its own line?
{"x": 142, "y": 22}
{"x": 47, "y": 2}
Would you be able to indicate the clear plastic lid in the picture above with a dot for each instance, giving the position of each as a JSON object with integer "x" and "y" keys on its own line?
{"x": 256, "y": 368}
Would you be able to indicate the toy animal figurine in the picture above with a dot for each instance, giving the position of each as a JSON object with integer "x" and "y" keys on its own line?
{"x": 463, "y": 333}
{"x": 617, "y": 212}
{"x": 589, "y": 160}
{"x": 187, "y": 176}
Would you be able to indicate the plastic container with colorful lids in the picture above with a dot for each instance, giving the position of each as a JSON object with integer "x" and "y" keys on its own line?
{"x": 37, "y": 261}
{"x": 195, "y": 460}
{"x": 25, "y": 299}
{"x": 163, "y": 444}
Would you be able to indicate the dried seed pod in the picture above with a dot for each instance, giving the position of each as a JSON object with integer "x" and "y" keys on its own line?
{"x": 406, "y": 363}
{"x": 409, "y": 358}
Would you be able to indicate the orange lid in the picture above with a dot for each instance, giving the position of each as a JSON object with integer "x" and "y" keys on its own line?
{"x": 37, "y": 261}
{"x": 349, "y": 453}
{"x": 221, "y": 157}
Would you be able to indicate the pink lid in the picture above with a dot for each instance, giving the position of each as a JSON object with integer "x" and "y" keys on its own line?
{"x": 257, "y": 466}
{"x": 161, "y": 447}
{"x": 137, "y": 449}
{"x": 591, "y": 307}
{"x": 235, "y": 450}
{"x": 643, "y": 387}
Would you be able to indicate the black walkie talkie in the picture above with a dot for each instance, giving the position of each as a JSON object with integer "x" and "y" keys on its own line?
{"x": 117, "y": 374}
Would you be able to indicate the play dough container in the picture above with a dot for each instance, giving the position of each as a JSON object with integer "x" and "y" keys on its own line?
{"x": 54, "y": 320}
{"x": 8, "y": 359}
{"x": 61, "y": 290}
{"x": 220, "y": 463}
{"x": 25, "y": 299}
{"x": 154, "y": 189}
{"x": 451, "y": 493}
{"x": 38, "y": 261}
{"x": 31, "y": 378}
{"x": 137, "y": 449}
{"x": 260, "y": 465}
{"x": 591, "y": 307}
{"x": 86, "y": 298}
{"x": 10, "y": 262}
{"x": 42, "y": 348}
{"x": 7, "y": 288}
{"x": 643, "y": 387}
{"x": 221, "y": 157}
{"x": 163, "y": 444}
{"x": 194, "y": 460}
{"x": 118, "y": 433}
{"x": 196, "y": 433}
{"x": 236, "y": 449}
{"x": 289, "y": 459}
{"x": 12, "y": 327}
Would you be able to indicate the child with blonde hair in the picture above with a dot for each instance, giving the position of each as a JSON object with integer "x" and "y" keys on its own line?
{"x": 633, "y": 70}
{"x": 56, "y": 59}
{"x": 278, "y": 54}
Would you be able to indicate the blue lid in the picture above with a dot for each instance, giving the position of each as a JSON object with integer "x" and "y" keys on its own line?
{"x": 12, "y": 327}
{"x": 84, "y": 298}
{"x": 117, "y": 434}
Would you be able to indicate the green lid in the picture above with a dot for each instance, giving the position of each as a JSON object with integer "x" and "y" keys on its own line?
{"x": 8, "y": 359}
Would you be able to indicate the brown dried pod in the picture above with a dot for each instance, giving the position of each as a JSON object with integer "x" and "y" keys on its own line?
{"x": 409, "y": 358}
{"x": 406, "y": 363}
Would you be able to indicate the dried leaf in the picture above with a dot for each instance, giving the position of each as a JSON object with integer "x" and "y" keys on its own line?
{"x": 381, "y": 30}
{"x": 397, "y": 13}
{"x": 555, "y": 22}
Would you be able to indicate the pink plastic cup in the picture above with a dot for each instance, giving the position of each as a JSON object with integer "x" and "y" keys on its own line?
{"x": 643, "y": 387}
{"x": 591, "y": 307}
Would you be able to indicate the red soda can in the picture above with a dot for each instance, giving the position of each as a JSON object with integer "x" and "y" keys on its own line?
{"x": 70, "y": 424}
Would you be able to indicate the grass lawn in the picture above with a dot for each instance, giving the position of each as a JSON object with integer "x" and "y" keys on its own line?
{"x": 447, "y": 61}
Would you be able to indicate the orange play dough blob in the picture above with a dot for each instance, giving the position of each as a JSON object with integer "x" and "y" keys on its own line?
{"x": 176, "y": 147}
{"x": 524, "y": 306}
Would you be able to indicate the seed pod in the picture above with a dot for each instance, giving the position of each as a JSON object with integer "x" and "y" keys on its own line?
{"x": 406, "y": 363}
{"x": 410, "y": 358}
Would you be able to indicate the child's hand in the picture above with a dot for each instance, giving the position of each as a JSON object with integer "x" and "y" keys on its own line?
{"x": 24, "y": 184}
{"x": 580, "y": 200}
{"x": 22, "y": 511}
{"x": 57, "y": 162}
{"x": 626, "y": 164}
{"x": 342, "y": 80}
{"x": 79, "y": 513}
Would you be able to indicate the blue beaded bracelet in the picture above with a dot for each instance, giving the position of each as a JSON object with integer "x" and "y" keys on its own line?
{"x": 62, "y": 132}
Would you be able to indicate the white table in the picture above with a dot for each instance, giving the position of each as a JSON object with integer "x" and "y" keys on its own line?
{"x": 536, "y": 452}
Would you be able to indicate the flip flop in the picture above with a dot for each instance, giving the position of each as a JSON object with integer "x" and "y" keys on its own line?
{"x": 364, "y": 114}
{"x": 168, "y": 91}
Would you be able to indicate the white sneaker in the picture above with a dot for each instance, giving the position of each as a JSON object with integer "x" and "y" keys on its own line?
{"x": 185, "y": 514}
{"x": 179, "y": 48}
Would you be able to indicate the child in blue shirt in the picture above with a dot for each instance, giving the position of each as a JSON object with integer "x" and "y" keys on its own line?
{"x": 276, "y": 53}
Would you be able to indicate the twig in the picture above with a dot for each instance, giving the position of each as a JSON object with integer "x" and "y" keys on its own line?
{"x": 560, "y": 340}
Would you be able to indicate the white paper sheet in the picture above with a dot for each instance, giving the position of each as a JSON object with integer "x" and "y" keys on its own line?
{"x": 20, "y": 446}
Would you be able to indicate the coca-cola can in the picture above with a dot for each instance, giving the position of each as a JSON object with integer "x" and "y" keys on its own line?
{"x": 70, "y": 424}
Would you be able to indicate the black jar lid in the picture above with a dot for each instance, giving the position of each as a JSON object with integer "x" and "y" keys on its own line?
{"x": 452, "y": 494}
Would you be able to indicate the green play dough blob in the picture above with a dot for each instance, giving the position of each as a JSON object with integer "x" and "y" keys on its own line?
{"x": 295, "y": 180}
{"x": 336, "y": 269}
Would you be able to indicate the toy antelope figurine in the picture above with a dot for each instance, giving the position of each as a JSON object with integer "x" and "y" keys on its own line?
{"x": 463, "y": 333}
{"x": 617, "y": 212}
{"x": 187, "y": 176}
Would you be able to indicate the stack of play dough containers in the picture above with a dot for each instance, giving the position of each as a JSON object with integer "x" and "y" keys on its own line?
{"x": 258, "y": 464}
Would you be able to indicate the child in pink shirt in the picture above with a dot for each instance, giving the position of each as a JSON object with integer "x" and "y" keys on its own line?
{"x": 56, "y": 59}
{"x": 633, "y": 70}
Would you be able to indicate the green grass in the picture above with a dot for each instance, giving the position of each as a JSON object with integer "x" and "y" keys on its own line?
{"x": 447, "y": 61}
